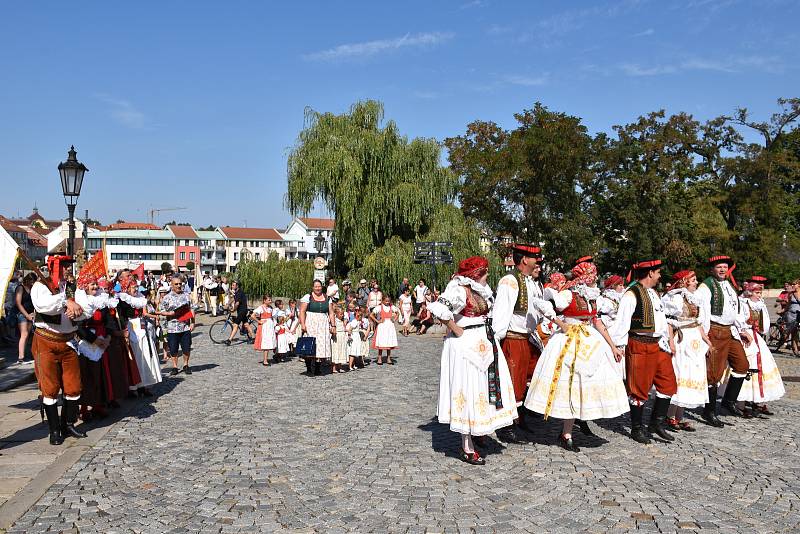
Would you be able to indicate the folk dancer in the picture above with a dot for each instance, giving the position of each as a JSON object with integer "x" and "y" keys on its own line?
{"x": 575, "y": 376}
{"x": 691, "y": 345}
{"x": 641, "y": 327}
{"x": 518, "y": 309}
{"x": 765, "y": 383}
{"x": 607, "y": 306}
{"x": 727, "y": 328}
{"x": 57, "y": 366}
{"x": 476, "y": 395}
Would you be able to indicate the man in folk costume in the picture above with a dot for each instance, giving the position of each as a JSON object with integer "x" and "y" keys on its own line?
{"x": 519, "y": 308}
{"x": 57, "y": 366}
{"x": 726, "y": 326}
{"x": 641, "y": 326}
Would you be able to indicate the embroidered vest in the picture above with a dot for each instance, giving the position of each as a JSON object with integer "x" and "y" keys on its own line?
{"x": 521, "y": 306}
{"x": 717, "y": 295}
{"x": 643, "y": 318}
{"x": 756, "y": 320}
{"x": 579, "y": 308}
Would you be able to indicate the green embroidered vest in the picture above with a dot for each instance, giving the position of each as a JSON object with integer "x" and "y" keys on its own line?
{"x": 643, "y": 318}
{"x": 717, "y": 296}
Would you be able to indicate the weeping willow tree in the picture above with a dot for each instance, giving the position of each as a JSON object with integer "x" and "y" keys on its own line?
{"x": 274, "y": 276}
{"x": 385, "y": 190}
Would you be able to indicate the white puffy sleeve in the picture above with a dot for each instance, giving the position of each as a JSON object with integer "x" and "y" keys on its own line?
{"x": 135, "y": 302}
{"x": 622, "y": 322}
{"x": 45, "y": 302}
{"x": 504, "y": 301}
{"x": 703, "y": 298}
{"x": 673, "y": 307}
{"x": 743, "y": 315}
{"x": 451, "y": 302}
{"x": 306, "y": 298}
{"x": 560, "y": 299}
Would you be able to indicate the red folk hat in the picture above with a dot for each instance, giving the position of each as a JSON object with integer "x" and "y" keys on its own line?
{"x": 648, "y": 264}
{"x": 714, "y": 260}
{"x": 532, "y": 251}
{"x": 54, "y": 264}
{"x": 612, "y": 281}
{"x": 758, "y": 279}
{"x": 679, "y": 278}
{"x": 584, "y": 259}
{"x": 473, "y": 267}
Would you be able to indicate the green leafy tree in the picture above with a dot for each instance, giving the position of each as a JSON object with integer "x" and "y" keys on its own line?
{"x": 528, "y": 183}
{"x": 385, "y": 190}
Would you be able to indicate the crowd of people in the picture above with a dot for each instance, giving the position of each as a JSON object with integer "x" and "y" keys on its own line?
{"x": 566, "y": 349}
{"x": 574, "y": 351}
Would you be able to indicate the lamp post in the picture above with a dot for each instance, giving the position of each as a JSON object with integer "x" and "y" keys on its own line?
{"x": 319, "y": 242}
{"x": 71, "y": 172}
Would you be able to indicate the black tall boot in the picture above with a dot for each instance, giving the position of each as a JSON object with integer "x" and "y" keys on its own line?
{"x": 637, "y": 432}
{"x": 69, "y": 415}
{"x": 731, "y": 394}
{"x": 53, "y": 422}
{"x": 310, "y": 366}
{"x": 317, "y": 367}
{"x": 658, "y": 417}
{"x": 584, "y": 426}
{"x": 710, "y": 411}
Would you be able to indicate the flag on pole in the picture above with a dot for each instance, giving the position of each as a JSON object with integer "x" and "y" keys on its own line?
{"x": 9, "y": 253}
{"x": 94, "y": 268}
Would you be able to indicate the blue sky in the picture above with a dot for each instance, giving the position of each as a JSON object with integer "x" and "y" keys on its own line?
{"x": 197, "y": 103}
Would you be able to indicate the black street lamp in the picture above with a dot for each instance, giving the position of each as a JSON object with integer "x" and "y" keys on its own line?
{"x": 319, "y": 242}
{"x": 71, "y": 172}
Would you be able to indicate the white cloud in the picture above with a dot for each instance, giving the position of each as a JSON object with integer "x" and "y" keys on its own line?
{"x": 733, "y": 64}
{"x": 645, "y": 33}
{"x": 123, "y": 111}
{"x": 527, "y": 81}
{"x": 371, "y": 48}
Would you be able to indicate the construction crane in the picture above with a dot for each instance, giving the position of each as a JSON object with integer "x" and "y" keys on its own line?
{"x": 154, "y": 211}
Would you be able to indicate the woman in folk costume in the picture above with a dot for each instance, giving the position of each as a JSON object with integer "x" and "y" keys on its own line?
{"x": 691, "y": 345}
{"x": 132, "y": 309}
{"x": 575, "y": 377}
{"x": 476, "y": 396}
{"x": 104, "y": 324}
{"x": 385, "y": 332}
{"x": 265, "y": 333}
{"x": 765, "y": 383}
{"x": 317, "y": 321}
{"x": 92, "y": 381}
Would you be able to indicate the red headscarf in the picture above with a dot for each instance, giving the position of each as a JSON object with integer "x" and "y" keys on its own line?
{"x": 680, "y": 278}
{"x": 583, "y": 273}
{"x": 474, "y": 267}
{"x": 557, "y": 281}
{"x": 84, "y": 279}
{"x": 613, "y": 280}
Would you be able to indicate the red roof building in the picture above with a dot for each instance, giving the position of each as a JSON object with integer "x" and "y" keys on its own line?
{"x": 187, "y": 246}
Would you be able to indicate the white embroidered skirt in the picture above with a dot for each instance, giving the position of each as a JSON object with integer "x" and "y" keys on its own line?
{"x": 597, "y": 390}
{"x": 464, "y": 388}
{"x": 689, "y": 363}
{"x": 145, "y": 353}
{"x": 771, "y": 380}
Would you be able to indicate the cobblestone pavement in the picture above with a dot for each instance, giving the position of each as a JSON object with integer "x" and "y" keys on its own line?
{"x": 237, "y": 447}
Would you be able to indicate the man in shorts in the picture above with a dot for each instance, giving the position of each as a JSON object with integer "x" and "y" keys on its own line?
{"x": 239, "y": 311}
{"x": 177, "y": 307}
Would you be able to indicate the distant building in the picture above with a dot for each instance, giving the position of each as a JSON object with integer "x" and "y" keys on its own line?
{"x": 126, "y": 249}
{"x": 187, "y": 246}
{"x": 213, "y": 254}
{"x": 254, "y": 243}
{"x": 300, "y": 236}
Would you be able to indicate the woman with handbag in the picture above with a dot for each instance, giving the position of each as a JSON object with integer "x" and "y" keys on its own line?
{"x": 318, "y": 323}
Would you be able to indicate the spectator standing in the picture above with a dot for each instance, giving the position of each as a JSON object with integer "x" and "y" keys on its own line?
{"x": 421, "y": 292}
{"x": 24, "y": 305}
{"x": 406, "y": 309}
{"x": 333, "y": 290}
{"x": 362, "y": 294}
{"x": 177, "y": 307}
{"x": 375, "y": 296}
{"x": 239, "y": 310}
{"x": 403, "y": 285}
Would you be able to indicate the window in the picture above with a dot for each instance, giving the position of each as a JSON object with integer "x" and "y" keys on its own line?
{"x": 183, "y": 256}
{"x": 235, "y": 256}
{"x": 191, "y": 255}
{"x": 258, "y": 255}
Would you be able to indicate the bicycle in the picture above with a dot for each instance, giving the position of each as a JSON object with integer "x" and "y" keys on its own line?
{"x": 220, "y": 330}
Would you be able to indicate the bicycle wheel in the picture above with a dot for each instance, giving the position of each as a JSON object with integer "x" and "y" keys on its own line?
{"x": 774, "y": 335}
{"x": 219, "y": 331}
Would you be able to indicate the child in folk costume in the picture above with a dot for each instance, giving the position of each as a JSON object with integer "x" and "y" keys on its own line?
{"x": 282, "y": 337}
{"x": 366, "y": 328}
{"x": 339, "y": 346}
{"x": 575, "y": 377}
{"x": 691, "y": 345}
{"x": 385, "y": 333}
{"x": 765, "y": 383}
{"x": 476, "y": 395}
{"x": 292, "y": 323}
{"x": 265, "y": 334}
{"x": 355, "y": 337}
